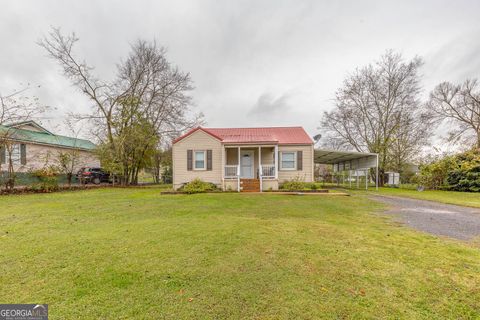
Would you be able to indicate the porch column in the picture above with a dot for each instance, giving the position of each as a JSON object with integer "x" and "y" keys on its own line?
{"x": 260, "y": 171}
{"x": 376, "y": 175}
{"x": 276, "y": 161}
{"x": 224, "y": 162}
{"x": 238, "y": 169}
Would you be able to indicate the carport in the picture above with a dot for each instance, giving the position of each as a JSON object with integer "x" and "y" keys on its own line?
{"x": 349, "y": 166}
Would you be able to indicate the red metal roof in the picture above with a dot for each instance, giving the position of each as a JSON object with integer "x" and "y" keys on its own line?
{"x": 276, "y": 135}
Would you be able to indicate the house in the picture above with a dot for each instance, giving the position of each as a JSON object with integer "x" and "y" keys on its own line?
{"x": 243, "y": 159}
{"x": 33, "y": 147}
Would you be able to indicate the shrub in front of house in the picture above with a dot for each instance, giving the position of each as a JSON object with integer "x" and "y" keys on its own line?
{"x": 47, "y": 180}
{"x": 297, "y": 184}
{"x": 198, "y": 186}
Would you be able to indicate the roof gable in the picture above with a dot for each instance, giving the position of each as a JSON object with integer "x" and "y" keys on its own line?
{"x": 29, "y": 125}
{"x": 276, "y": 135}
{"x": 189, "y": 133}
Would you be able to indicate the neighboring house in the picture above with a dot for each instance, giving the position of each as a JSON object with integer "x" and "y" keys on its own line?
{"x": 33, "y": 147}
{"x": 243, "y": 159}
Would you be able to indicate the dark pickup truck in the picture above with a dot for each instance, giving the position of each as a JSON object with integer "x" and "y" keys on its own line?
{"x": 93, "y": 175}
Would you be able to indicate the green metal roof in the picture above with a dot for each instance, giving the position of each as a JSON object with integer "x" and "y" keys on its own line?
{"x": 46, "y": 138}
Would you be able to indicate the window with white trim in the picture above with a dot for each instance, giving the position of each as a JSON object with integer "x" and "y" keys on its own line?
{"x": 200, "y": 160}
{"x": 14, "y": 153}
{"x": 288, "y": 160}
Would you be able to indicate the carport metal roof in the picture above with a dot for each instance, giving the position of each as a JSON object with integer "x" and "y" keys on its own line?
{"x": 324, "y": 156}
{"x": 348, "y": 160}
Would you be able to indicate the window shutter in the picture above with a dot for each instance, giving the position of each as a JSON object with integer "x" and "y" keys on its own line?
{"x": 2, "y": 155}
{"x": 23, "y": 154}
{"x": 300, "y": 160}
{"x": 209, "y": 160}
{"x": 189, "y": 160}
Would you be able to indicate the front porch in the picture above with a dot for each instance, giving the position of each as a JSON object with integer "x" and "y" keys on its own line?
{"x": 250, "y": 168}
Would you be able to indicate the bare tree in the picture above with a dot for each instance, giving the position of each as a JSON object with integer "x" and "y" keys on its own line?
{"x": 378, "y": 110}
{"x": 15, "y": 107}
{"x": 459, "y": 104}
{"x": 147, "y": 91}
{"x": 67, "y": 160}
{"x": 408, "y": 142}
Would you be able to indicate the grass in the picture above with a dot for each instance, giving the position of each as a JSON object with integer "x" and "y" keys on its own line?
{"x": 469, "y": 199}
{"x": 133, "y": 253}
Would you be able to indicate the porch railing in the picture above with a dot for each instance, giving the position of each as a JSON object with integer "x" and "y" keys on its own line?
{"x": 268, "y": 171}
{"x": 231, "y": 171}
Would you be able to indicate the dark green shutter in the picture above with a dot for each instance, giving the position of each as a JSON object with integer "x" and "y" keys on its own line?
{"x": 23, "y": 154}
{"x": 209, "y": 160}
{"x": 300, "y": 160}
{"x": 2, "y": 155}
{"x": 189, "y": 160}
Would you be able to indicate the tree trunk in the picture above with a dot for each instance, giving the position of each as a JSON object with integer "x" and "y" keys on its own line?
{"x": 69, "y": 179}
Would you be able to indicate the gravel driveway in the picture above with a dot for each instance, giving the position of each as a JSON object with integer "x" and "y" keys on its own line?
{"x": 436, "y": 218}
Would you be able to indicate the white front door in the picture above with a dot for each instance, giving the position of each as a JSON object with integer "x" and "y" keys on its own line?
{"x": 246, "y": 164}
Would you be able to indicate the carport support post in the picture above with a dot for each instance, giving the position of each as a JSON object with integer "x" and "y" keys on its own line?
{"x": 376, "y": 175}
{"x": 366, "y": 179}
{"x": 350, "y": 177}
{"x": 356, "y": 179}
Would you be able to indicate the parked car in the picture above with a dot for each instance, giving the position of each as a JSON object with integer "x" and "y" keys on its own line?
{"x": 93, "y": 175}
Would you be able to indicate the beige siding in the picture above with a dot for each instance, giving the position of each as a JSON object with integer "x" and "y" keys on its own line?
{"x": 270, "y": 185}
{"x": 307, "y": 173}
{"x": 232, "y": 156}
{"x": 199, "y": 140}
{"x": 231, "y": 185}
{"x": 268, "y": 156}
{"x": 40, "y": 156}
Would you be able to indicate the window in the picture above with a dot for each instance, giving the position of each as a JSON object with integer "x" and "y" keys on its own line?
{"x": 200, "y": 160}
{"x": 288, "y": 160}
{"x": 14, "y": 154}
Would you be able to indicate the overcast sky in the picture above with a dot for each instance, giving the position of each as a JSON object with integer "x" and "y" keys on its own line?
{"x": 253, "y": 63}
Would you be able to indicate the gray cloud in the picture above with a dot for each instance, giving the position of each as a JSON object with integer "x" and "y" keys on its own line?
{"x": 268, "y": 105}
{"x": 242, "y": 53}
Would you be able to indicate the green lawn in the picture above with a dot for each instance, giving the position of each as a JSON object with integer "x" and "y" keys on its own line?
{"x": 133, "y": 253}
{"x": 470, "y": 199}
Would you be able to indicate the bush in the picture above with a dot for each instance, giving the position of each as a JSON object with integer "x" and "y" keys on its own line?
{"x": 47, "y": 180}
{"x": 297, "y": 184}
{"x": 198, "y": 186}
{"x": 460, "y": 172}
